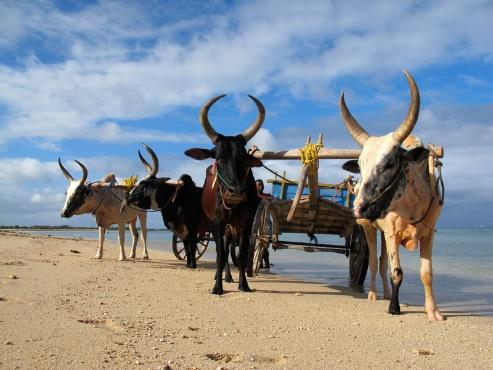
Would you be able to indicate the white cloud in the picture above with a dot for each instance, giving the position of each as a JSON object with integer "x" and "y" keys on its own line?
{"x": 117, "y": 67}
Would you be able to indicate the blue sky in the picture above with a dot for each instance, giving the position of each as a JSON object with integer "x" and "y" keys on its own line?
{"x": 93, "y": 80}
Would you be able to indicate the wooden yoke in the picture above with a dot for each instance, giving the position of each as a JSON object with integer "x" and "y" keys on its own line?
{"x": 323, "y": 153}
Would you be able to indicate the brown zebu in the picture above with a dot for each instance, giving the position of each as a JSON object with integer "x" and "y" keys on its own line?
{"x": 396, "y": 193}
{"x": 229, "y": 195}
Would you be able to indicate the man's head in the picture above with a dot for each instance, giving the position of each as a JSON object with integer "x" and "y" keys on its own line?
{"x": 260, "y": 186}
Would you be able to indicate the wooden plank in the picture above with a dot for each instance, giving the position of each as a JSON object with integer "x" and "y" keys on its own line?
{"x": 324, "y": 153}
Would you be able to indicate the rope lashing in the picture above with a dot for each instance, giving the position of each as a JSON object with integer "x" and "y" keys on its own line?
{"x": 309, "y": 154}
{"x": 130, "y": 182}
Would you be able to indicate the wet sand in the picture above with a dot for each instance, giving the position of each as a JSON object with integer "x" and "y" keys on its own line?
{"x": 59, "y": 308}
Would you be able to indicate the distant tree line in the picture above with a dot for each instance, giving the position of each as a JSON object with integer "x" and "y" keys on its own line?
{"x": 58, "y": 227}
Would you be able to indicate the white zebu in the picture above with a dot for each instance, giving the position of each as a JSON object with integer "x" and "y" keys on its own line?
{"x": 103, "y": 200}
{"x": 397, "y": 194}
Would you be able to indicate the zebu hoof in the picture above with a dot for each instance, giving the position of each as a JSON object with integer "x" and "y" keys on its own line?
{"x": 394, "y": 309}
{"x": 145, "y": 257}
{"x": 372, "y": 296}
{"x": 98, "y": 256}
{"x": 228, "y": 279}
{"x": 122, "y": 258}
{"x": 217, "y": 290}
{"x": 244, "y": 288}
{"x": 132, "y": 256}
{"x": 435, "y": 315}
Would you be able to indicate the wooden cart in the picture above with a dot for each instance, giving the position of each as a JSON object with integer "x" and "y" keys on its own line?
{"x": 313, "y": 209}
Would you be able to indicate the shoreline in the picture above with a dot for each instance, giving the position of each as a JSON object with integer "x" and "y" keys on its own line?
{"x": 466, "y": 293}
{"x": 65, "y": 309}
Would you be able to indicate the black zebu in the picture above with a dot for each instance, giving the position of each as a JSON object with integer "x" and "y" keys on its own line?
{"x": 180, "y": 204}
{"x": 229, "y": 195}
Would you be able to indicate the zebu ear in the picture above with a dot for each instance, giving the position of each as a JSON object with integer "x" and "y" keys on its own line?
{"x": 251, "y": 161}
{"x": 417, "y": 155}
{"x": 200, "y": 154}
{"x": 162, "y": 180}
{"x": 351, "y": 166}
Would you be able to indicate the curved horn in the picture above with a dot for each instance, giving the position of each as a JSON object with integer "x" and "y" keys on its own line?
{"x": 357, "y": 132}
{"x": 155, "y": 161}
{"x": 409, "y": 122}
{"x": 297, "y": 197}
{"x": 84, "y": 172}
{"x": 255, "y": 126}
{"x": 147, "y": 166}
{"x": 204, "y": 118}
{"x": 65, "y": 172}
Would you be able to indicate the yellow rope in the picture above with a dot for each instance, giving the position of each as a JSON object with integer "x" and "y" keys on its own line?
{"x": 130, "y": 182}
{"x": 309, "y": 154}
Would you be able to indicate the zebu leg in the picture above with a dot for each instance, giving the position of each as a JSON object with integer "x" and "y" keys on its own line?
{"x": 396, "y": 274}
{"x": 121, "y": 241}
{"x": 132, "y": 225}
{"x": 426, "y": 272}
{"x": 243, "y": 260}
{"x": 384, "y": 266}
{"x": 227, "y": 272}
{"x": 143, "y": 232}
{"x": 371, "y": 239}
{"x": 186, "y": 245}
{"x": 219, "y": 240}
{"x": 99, "y": 253}
{"x": 102, "y": 234}
{"x": 193, "y": 248}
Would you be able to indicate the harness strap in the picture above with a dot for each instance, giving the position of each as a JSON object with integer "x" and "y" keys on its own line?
{"x": 388, "y": 187}
{"x": 426, "y": 213}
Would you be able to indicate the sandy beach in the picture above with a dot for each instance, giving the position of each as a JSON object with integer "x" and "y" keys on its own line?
{"x": 59, "y": 308}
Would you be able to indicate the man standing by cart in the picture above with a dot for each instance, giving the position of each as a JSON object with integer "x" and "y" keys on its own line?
{"x": 267, "y": 197}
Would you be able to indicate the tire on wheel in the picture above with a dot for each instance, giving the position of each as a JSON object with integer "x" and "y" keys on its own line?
{"x": 179, "y": 248}
{"x": 359, "y": 256}
{"x": 259, "y": 237}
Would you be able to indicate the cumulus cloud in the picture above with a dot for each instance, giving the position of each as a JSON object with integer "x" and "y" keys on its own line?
{"x": 118, "y": 64}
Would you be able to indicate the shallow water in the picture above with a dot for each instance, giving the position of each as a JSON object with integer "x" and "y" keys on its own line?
{"x": 462, "y": 265}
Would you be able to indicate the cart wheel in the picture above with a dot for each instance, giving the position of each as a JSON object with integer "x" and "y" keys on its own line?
{"x": 179, "y": 247}
{"x": 260, "y": 237}
{"x": 359, "y": 256}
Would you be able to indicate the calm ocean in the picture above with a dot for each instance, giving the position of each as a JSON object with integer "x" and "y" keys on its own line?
{"x": 462, "y": 264}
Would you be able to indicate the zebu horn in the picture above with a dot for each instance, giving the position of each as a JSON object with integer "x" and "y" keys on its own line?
{"x": 144, "y": 162}
{"x": 409, "y": 122}
{"x": 255, "y": 126}
{"x": 357, "y": 132}
{"x": 175, "y": 182}
{"x": 84, "y": 172}
{"x": 204, "y": 118}
{"x": 67, "y": 175}
{"x": 299, "y": 191}
{"x": 151, "y": 170}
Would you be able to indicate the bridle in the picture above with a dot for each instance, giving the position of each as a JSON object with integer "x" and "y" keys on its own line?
{"x": 222, "y": 181}
{"x": 392, "y": 183}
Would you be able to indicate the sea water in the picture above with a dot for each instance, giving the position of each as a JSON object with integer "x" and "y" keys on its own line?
{"x": 462, "y": 265}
